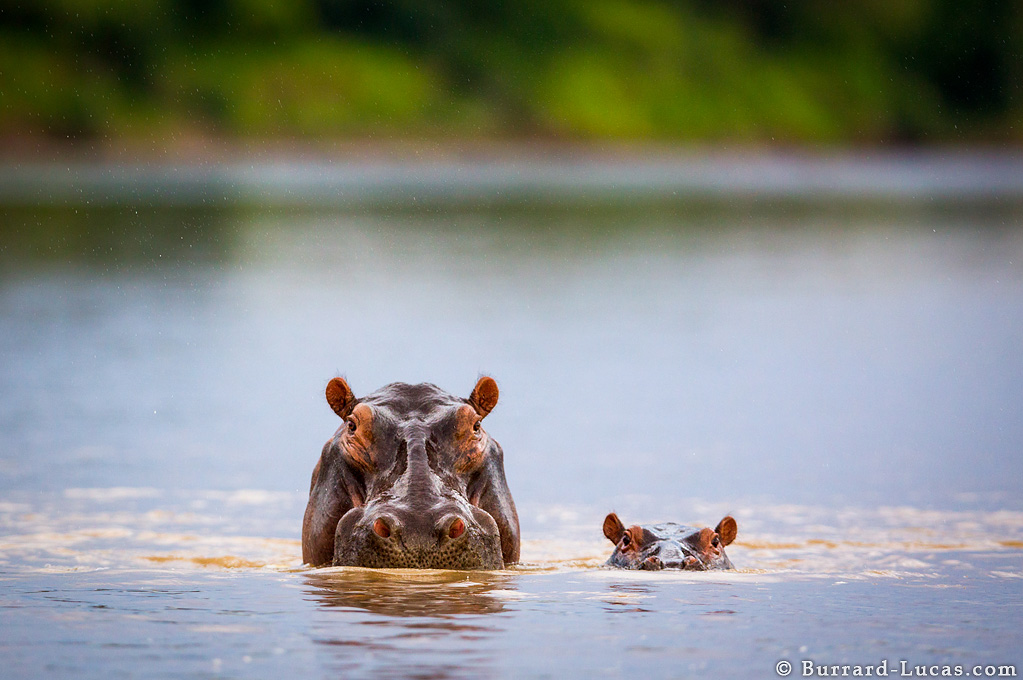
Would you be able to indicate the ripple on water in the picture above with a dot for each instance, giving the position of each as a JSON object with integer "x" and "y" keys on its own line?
{"x": 126, "y": 528}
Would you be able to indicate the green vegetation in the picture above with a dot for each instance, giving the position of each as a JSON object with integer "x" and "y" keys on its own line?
{"x": 745, "y": 71}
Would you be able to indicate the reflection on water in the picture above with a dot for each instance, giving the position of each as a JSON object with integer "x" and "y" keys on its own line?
{"x": 403, "y": 592}
{"x": 428, "y": 623}
{"x": 114, "y": 237}
{"x": 627, "y": 598}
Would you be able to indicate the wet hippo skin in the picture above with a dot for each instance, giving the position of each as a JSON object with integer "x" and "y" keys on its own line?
{"x": 669, "y": 545}
{"x": 411, "y": 480}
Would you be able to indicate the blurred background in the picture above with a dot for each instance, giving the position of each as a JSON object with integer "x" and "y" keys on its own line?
{"x": 165, "y": 75}
{"x": 741, "y": 249}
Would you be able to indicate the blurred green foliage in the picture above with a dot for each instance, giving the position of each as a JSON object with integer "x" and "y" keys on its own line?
{"x": 676, "y": 70}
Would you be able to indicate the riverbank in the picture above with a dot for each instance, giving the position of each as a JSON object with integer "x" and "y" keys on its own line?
{"x": 385, "y": 175}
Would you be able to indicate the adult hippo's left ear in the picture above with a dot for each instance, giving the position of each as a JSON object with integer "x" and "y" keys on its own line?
{"x": 484, "y": 396}
{"x": 340, "y": 397}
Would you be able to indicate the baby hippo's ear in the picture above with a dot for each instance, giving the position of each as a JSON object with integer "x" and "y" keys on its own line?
{"x": 613, "y": 528}
{"x": 484, "y": 396}
{"x": 727, "y": 530}
{"x": 340, "y": 397}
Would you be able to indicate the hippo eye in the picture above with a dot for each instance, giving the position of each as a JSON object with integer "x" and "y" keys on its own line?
{"x": 476, "y": 427}
{"x": 351, "y": 425}
{"x": 626, "y": 540}
{"x": 716, "y": 542}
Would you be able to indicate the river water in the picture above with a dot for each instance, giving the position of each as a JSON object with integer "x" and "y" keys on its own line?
{"x": 845, "y": 379}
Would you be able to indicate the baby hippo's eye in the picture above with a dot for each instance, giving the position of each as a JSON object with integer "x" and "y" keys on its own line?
{"x": 716, "y": 542}
{"x": 626, "y": 540}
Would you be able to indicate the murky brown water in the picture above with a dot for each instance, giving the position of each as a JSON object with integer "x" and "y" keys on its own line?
{"x": 846, "y": 382}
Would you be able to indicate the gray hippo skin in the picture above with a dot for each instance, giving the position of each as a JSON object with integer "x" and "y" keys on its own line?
{"x": 411, "y": 480}
{"x": 669, "y": 545}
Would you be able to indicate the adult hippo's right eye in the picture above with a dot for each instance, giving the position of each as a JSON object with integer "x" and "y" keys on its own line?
{"x": 352, "y": 425}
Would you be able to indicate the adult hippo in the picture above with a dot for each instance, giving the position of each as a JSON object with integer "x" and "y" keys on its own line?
{"x": 669, "y": 545}
{"x": 411, "y": 479}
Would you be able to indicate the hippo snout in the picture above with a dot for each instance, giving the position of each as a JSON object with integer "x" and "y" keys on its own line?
{"x": 404, "y": 538}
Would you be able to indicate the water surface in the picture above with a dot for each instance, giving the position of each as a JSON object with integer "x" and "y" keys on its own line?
{"x": 846, "y": 380}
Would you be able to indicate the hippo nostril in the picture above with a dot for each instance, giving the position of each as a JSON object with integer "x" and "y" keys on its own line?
{"x": 381, "y": 528}
{"x": 457, "y": 528}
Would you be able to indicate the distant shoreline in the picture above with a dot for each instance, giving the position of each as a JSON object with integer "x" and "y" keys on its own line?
{"x": 383, "y": 175}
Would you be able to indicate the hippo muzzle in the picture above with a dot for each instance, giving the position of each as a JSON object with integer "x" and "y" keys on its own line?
{"x": 395, "y": 535}
{"x": 411, "y": 480}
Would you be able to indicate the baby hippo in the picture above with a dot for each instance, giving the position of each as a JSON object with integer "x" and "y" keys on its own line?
{"x": 669, "y": 545}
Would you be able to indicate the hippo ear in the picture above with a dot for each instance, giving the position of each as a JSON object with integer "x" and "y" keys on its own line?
{"x": 727, "y": 530}
{"x": 340, "y": 397}
{"x": 613, "y": 528}
{"x": 484, "y": 396}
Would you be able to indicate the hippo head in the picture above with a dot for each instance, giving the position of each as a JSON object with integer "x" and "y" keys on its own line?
{"x": 411, "y": 480}
{"x": 669, "y": 545}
